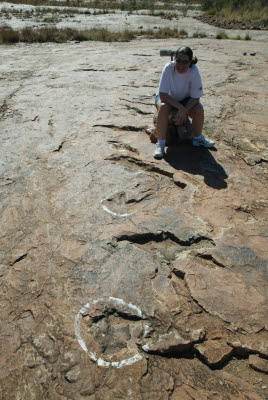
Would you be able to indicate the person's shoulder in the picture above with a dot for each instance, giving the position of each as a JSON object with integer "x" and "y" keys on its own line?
{"x": 194, "y": 69}
{"x": 169, "y": 66}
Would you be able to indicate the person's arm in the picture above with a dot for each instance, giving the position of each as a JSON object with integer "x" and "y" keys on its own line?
{"x": 190, "y": 104}
{"x": 166, "y": 98}
{"x": 181, "y": 115}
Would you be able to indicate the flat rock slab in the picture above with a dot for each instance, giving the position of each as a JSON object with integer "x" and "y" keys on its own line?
{"x": 258, "y": 363}
{"x": 214, "y": 352}
{"x": 106, "y": 253}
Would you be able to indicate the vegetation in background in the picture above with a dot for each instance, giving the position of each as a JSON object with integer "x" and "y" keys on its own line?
{"x": 40, "y": 11}
{"x": 164, "y": 33}
{"x": 224, "y": 35}
{"x": 49, "y": 15}
{"x": 199, "y": 35}
{"x": 127, "y": 5}
{"x": 55, "y": 10}
{"x": 131, "y": 5}
{"x": 238, "y": 10}
{"x": 52, "y": 34}
{"x": 95, "y": 7}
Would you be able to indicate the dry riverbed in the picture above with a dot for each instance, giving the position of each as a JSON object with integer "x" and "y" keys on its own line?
{"x": 123, "y": 277}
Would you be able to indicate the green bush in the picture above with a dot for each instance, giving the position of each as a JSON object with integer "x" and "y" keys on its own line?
{"x": 199, "y": 35}
{"x": 132, "y": 5}
{"x": 52, "y": 34}
{"x": 222, "y": 35}
{"x": 8, "y": 35}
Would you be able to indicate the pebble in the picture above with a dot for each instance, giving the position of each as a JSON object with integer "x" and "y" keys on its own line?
{"x": 264, "y": 387}
{"x": 253, "y": 53}
{"x": 245, "y": 53}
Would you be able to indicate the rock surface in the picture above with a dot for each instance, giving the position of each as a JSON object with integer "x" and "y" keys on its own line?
{"x": 214, "y": 352}
{"x": 257, "y": 363}
{"x": 104, "y": 250}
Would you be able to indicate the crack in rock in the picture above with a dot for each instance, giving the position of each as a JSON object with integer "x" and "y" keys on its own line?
{"x": 90, "y": 69}
{"x": 122, "y": 127}
{"x": 174, "y": 344}
{"x": 147, "y": 166}
{"x": 214, "y": 354}
{"x": 137, "y": 102}
{"x": 3, "y": 108}
{"x": 142, "y": 55}
{"x": 20, "y": 258}
{"x": 59, "y": 147}
{"x": 138, "y": 110}
{"x": 210, "y": 258}
{"x": 7, "y": 182}
{"x": 244, "y": 350}
{"x": 143, "y": 238}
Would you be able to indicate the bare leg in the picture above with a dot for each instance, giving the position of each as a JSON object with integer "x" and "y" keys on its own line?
{"x": 162, "y": 120}
{"x": 197, "y": 115}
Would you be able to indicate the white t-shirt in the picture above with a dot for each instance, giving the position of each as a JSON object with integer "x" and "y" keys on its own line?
{"x": 179, "y": 86}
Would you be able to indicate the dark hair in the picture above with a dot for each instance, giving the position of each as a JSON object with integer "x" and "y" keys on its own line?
{"x": 188, "y": 52}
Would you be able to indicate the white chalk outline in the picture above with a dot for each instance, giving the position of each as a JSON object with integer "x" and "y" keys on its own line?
{"x": 111, "y": 212}
{"x": 100, "y": 361}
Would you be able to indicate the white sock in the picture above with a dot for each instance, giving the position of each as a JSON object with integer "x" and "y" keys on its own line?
{"x": 162, "y": 143}
{"x": 199, "y": 137}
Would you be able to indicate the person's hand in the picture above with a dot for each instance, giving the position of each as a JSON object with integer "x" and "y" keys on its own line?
{"x": 180, "y": 116}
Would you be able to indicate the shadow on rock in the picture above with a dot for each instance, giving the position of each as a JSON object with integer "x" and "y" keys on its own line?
{"x": 197, "y": 161}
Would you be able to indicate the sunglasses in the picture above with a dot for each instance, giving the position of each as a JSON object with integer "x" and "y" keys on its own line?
{"x": 180, "y": 61}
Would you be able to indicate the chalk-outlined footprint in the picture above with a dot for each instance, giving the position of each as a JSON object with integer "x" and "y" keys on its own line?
{"x": 115, "y": 304}
{"x": 116, "y": 200}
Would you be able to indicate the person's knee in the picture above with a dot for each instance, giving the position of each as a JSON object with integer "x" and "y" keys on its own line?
{"x": 163, "y": 108}
{"x": 197, "y": 111}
